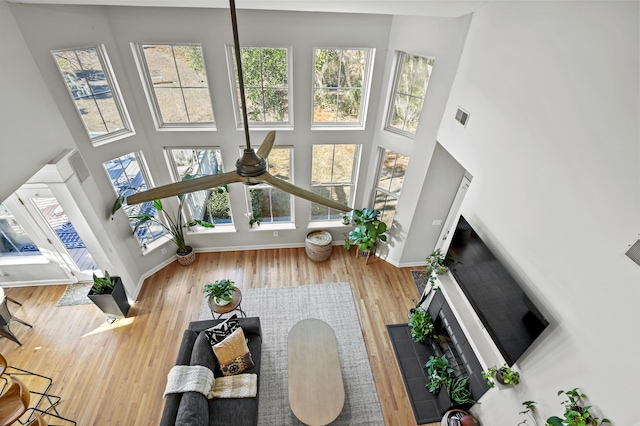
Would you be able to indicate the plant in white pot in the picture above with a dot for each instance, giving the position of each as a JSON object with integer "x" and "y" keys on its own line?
{"x": 220, "y": 292}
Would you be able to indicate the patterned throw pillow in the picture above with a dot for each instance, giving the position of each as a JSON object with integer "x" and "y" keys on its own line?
{"x": 233, "y": 354}
{"x": 219, "y": 332}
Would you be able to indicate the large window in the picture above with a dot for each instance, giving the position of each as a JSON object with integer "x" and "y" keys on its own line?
{"x": 92, "y": 86}
{"x": 127, "y": 176}
{"x": 266, "y": 83}
{"x": 391, "y": 173}
{"x": 410, "y": 89}
{"x": 176, "y": 85}
{"x": 14, "y": 241}
{"x": 211, "y": 205}
{"x": 341, "y": 86}
{"x": 333, "y": 174}
{"x": 268, "y": 204}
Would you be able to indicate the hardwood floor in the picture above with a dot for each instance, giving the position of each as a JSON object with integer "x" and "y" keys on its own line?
{"x": 115, "y": 374}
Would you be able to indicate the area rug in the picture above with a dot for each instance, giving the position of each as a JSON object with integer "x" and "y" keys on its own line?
{"x": 279, "y": 309}
{"x": 75, "y": 294}
{"x": 420, "y": 280}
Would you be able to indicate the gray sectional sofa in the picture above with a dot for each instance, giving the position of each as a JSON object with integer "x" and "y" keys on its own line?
{"x": 193, "y": 408}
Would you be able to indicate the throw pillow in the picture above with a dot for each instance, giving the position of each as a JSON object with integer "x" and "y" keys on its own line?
{"x": 233, "y": 354}
{"x": 218, "y": 332}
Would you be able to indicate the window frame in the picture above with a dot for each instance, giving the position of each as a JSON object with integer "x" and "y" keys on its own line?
{"x": 150, "y": 93}
{"x": 352, "y": 184}
{"x": 386, "y": 192}
{"x": 110, "y": 77}
{"x": 274, "y": 224}
{"x": 173, "y": 169}
{"x": 259, "y": 125}
{"x": 394, "y": 93}
{"x": 364, "y": 101}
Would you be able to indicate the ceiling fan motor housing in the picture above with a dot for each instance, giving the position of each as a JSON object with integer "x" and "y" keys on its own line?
{"x": 250, "y": 164}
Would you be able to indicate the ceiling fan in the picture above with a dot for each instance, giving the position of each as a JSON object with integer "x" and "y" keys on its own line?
{"x": 251, "y": 168}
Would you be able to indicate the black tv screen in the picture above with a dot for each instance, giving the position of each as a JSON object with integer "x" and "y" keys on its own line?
{"x": 509, "y": 316}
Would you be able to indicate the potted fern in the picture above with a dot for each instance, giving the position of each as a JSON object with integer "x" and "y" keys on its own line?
{"x": 108, "y": 294}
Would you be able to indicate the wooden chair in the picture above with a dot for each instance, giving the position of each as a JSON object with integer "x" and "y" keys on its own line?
{"x": 14, "y": 403}
{"x": 9, "y": 370}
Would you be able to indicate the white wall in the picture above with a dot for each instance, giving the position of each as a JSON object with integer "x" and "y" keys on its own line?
{"x": 553, "y": 145}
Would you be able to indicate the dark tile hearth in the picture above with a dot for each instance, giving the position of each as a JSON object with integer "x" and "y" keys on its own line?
{"x": 411, "y": 357}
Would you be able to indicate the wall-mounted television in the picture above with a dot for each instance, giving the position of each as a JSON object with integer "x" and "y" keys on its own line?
{"x": 509, "y": 316}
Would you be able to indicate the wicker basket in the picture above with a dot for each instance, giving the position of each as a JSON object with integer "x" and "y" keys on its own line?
{"x": 318, "y": 245}
{"x": 188, "y": 258}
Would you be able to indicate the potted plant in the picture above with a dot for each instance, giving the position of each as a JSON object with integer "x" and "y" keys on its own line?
{"x": 459, "y": 392}
{"x": 503, "y": 375}
{"x": 346, "y": 219}
{"x": 174, "y": 226}
{"x": 439, "y": 372}
{"x": 421, "y": 325}
{"x": 437, "y": 264}
{"x": 108, "y": 294}
{"x": 575, "y": 414}
{"x": 220, "y": 292}
{"x": 368, "y": 231}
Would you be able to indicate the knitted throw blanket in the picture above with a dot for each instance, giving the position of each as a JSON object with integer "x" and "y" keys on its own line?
{"x": 189, "y": 378}
{"x": 238, "y": 386}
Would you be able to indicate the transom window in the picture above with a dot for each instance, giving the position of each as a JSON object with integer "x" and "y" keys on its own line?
{"x": 333, "y": 173}
{"x": 127, "y": 175}
{"x": 391, "y": 171}
{"x": 176, "y": 85}
{"x": 268, "y": 204}
{"x": 266, "y": 76}
{"x": 211, "y": 205}
{"x": 410, "y": 88}
{"x": 14, "y": 241}
{"x": 341, "y": 86}
{"x": 92, "y": 86}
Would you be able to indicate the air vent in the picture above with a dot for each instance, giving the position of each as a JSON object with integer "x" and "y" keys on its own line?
{"x": 462, "y": 116}
{"x": 634, "y": 253}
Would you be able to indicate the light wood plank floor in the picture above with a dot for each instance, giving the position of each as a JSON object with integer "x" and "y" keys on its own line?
{"x": 115, "y": 374}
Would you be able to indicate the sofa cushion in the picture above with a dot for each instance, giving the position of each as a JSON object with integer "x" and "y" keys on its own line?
{"x": 233, "y": 354}
{"x": 203, "y": 353}
{"x": 219, "y": 332}
{"x": 193, "y": 410}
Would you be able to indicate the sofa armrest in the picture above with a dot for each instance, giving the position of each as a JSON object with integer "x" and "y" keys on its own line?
{"x": 249, "y": 325}
{"x": 172, "y": 401}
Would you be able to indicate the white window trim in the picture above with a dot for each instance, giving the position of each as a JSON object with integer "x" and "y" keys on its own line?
{"x": 366, "y": 89}
{"x": 284, "y": 125}
{"x": 376, "y": 188}
{"x": 152, "y": 101}
{"x": 353, "y": 184}
{"x": 110, "y": 76}
{"x": 394, "y": 91}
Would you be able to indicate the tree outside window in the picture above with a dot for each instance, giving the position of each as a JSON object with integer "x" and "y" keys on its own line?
{"x": 392, "y": 169}
{"x": 410, "y": 88}
{"x": 341, "y": 80}
{"x": 268, "y": 204}
{"x": 333, "y": 171}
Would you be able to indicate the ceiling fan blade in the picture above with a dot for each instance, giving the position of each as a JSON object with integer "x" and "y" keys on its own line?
{"x": 185, "y": 186}
{"x": 267, "y": 144}
{"x": 302, "y": 193}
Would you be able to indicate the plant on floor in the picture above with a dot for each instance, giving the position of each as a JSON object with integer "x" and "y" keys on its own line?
{"x": 503, "y": 375}
{"x": 421, "y": 325}
{"x": 102, "y": 285}
{"x": 368, "y": 231}
{"x": 530, "y": 411}
{"x": 438, "y": 371}
{"x": 459, "y": 391}
{"x": 220, "y": 290}
{"x": 575, "y": 413}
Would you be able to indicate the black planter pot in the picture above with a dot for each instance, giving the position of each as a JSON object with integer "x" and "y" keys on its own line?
{"x": 114, "y": 305}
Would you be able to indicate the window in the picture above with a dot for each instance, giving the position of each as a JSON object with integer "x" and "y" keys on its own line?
{"x": 176, "y": 86}
{"x": 268, "y": 204}
{"x": 211, "y": 205}
{"x": 410, "y": 89}
{"x": 266, "y": 84}
{"x": 341, "y": 86}
{"x": 14, "y": 241}
{"x": 92, "y": 85}
{"x": 391, "y": 173}
{"x": 127, "y": 176}
{"x": 333, "y": 173}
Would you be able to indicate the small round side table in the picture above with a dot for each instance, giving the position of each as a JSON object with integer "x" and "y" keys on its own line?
{"x": 236, "y": 300}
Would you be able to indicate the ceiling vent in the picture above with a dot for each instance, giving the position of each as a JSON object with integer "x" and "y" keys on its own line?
{"x": 462, "y": 116}
{"x": 634, "y": 253}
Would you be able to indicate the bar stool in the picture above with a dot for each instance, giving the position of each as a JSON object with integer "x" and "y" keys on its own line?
{"x": 14, "y": 403}
{"x": 7, "y": 319}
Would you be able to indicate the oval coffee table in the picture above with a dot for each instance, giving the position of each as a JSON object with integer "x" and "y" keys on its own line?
{"x": 316, "y": 390}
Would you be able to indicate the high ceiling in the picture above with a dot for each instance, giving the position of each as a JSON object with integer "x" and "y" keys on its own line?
{"x": 445, "y": 8}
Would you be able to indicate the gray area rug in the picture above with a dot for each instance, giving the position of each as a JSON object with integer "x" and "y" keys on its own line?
{"x": 420, "y": 280}
{"x": 76, "y": 294}
{"x": 279, "y": 309}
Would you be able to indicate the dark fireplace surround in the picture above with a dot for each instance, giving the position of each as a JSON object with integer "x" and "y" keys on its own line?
{"x": 412, "y": 357}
